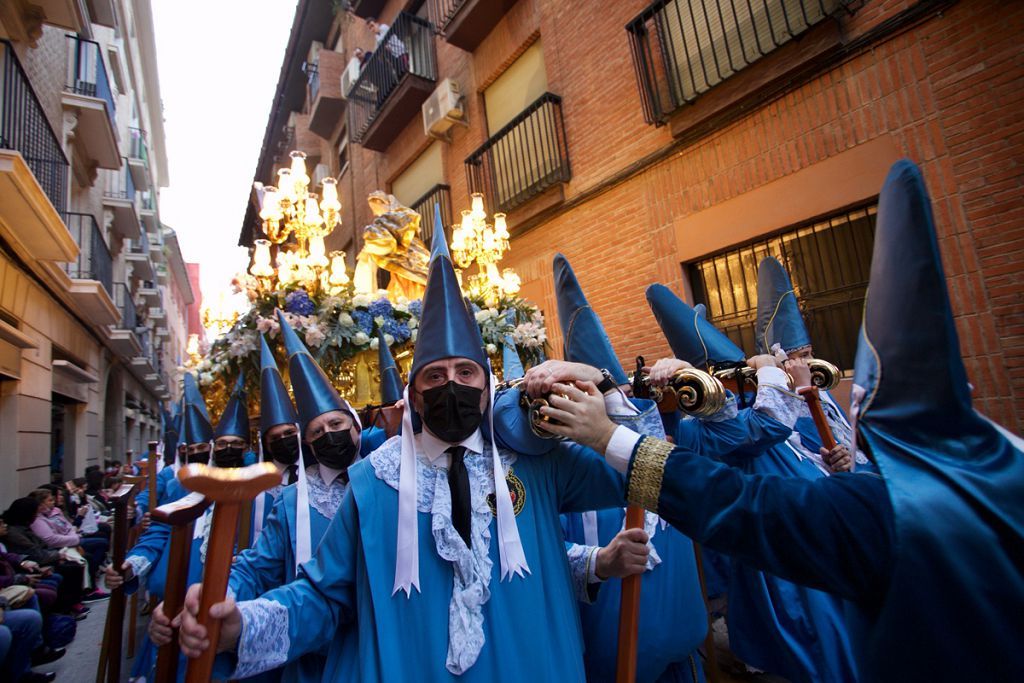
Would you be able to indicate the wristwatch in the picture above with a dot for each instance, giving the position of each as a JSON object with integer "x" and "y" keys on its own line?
{"x": 607, "y": 384}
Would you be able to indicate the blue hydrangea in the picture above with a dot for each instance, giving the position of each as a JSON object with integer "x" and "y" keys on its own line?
{"x": 400, "y": 331}
{"x": 416, "y": 307}
{"x": 299, "y": 303}
{"x": 381, "y": 308}
{"x": 363, "y": 320}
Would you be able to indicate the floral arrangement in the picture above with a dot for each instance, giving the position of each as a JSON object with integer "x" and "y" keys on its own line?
{"x": 337, "y": 325}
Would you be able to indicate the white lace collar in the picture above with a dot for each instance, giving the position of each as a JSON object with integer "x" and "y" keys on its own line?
{"x": 325, "y": 498}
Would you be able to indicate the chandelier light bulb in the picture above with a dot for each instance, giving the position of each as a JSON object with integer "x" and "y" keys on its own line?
{"x": 317, "y": 252}
{"x": 339, "y": 270}
{"x": 261, "y": 260}
{"x": 478, "y": 206}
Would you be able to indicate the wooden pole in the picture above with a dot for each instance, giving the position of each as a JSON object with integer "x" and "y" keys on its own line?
{"x": 228, "y": 489}
{"x": 244, "y": 526}
{"x": 110, "y": 659}
{"x": 629, "y": 612}
{"x": 151, "y": 472}
{"x": 810, "y": 395}
{"x": 713, "y": 674}
{"x": 180, "y": 516}
{"x": 137, "y": 483}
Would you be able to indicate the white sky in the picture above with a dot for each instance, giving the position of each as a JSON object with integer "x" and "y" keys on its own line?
{"x": 219, "y": 62}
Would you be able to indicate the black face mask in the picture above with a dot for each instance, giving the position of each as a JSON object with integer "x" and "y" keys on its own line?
{"x": 202, "y": 458}
{"x": 229, "y": 456}
{"x": 335, "y": 449}
{"x": 284, "y": 450}
{"x": 452, "y": 411}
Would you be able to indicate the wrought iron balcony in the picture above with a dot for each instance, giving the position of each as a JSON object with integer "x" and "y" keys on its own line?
{"x": 94, "y": 260}
{"x": 126, "y": 305}
{"x": 25, "y": 129}
{"x": 87, "y": 92}
{"x": 438, "y": 195}
{"x": 683, "y": 48}
{"x": 138, "y": 255}
{"x": 141, "y": 245}
{"x": 396, "y": 80}
{"x": 465, "y": 23}
{"x": 524, "y": 159}
{"x": 138, "y": 156}
{"x": 119, "y": 196}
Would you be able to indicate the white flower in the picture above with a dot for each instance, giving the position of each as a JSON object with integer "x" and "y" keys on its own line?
{"x": 388, "y": 339}
{"x": 482, "y": 315}
{"x": 375, "y": 343}
{"x": 402, "y": 306}
{"x": 360, "y": 338}
{"x": 413, "y": 323}
{"x": 413, "y": 334}
{"x": 346, "y": 320}
{"x": 315, "y": 336}
{"x": 491, "y": 349}
{"x": 361, "y": 301}
{"x": 205, "y": 379}
{"x": 379, "y": 320}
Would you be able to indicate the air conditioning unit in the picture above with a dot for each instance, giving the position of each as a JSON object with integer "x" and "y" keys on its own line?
{"x": 349, "y": 76}
{"x": 443, "y": 109}
{"x": 319, "y": 173}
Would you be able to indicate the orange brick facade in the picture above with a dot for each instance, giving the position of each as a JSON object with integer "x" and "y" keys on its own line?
{"x": 944, "y": 90}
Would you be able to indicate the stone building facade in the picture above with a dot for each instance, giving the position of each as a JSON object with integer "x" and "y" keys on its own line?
{"x": 94, "y": 293}
{"x": 680, "y": 142}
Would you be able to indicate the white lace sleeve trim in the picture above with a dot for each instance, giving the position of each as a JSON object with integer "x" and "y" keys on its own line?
{"x": 264, "y": 642}
{"x": 471, "y": 566}
{"x": 583, "y": 567}
{"x": 774, "y": 398}
{"x": 140, "y": 565}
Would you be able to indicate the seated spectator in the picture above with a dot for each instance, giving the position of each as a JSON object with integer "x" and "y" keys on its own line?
{"x": 20, "y": 638}
{"x": 21, "y": 540}
{"x": 57, "y": 531}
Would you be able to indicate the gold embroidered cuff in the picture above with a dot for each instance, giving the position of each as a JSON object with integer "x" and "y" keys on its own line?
{"x": 647, "y": 472}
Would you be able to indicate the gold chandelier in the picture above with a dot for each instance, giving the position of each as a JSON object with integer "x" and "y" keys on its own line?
{"x": 291, "y": 211}
{"x": 474, "y": 240}
{"x": 218, "y": 315}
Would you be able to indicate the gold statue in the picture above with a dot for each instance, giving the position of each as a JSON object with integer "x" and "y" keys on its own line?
{"x": 392, "y": 242}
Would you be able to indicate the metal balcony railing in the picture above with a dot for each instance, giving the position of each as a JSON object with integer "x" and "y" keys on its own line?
{"x": 148, "y": 202}
{"x": 683, "y": 48}
{"x": 138, "y": 148}
{"x": 87, "y": 75}
{"x": 312, "y": 70}
{"x": 523, "y": 159}
{"x": 407, "y": 48}
{"x": 25, "y": 128}
{"x": 94, "y": 260}
{"x": 438, "y": 195}
{"x": 120, "y": 184}
{"x": 126, "y": 304}
{"x": 141, "y": 245}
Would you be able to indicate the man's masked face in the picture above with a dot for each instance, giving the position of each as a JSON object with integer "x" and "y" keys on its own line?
{"x": 450, "y": 397}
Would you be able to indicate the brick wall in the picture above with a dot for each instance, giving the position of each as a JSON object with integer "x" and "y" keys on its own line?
{"x": 945, "y": 92}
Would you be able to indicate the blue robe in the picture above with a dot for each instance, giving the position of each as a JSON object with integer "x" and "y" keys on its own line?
{"x": 670, "y": 592}
{"x": 842, "y": 431}
{"x": 163, "y": 477}
{"x": 343, "y": 597}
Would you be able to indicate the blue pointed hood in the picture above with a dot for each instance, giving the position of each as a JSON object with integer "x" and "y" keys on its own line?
{"x": 196, "y": 420}
{"x": 234, "y": 421}
{"x": 439, "y": 242}
{"x": 447, "y": 327}
{"x": 908, "y": 361}
{"x": 691, "y": 336}
{"x": 179, "y": 420}
{"x": 314, "y": 393}
{"x": 778, "y": 314}
{"x": 584, "y": 339}
{"x": 275, "y": 405}
{"x": 391, "y": 385}
{"x": 701, "y": 310}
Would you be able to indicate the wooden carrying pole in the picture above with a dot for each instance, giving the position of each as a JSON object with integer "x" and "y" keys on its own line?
{"x": 180, "y": 516}
{"x": 151, "y": 472}
{"x": 137, "y": 483}
{"x": 810, "y": 394}
{"x": 629, "y": 612}
{"x": 228, "y": 489}
{"x": 110, "y": 654}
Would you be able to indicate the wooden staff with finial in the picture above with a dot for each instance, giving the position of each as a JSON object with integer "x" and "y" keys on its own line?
{"x": 110, "y": 652}
{"x": 813, "y": 399}
{"x": 629, "y": 611}
{"x": 180, "y": 516}
{"x": 137, "y": 482}
{"x": 228, "y": 489}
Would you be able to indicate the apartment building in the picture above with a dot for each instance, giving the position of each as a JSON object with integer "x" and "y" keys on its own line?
{"x": 93, "y": 290}
{"x": 680, "y": 142}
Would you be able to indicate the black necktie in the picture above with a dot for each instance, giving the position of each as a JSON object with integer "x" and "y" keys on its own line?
{"x": 458, "y": 483}
{"x": 293, "y": 474}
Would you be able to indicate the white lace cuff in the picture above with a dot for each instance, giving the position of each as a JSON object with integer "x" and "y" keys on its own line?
{"x": 774, "y": 398}
{"x": 583, "y": 566}
{"x": 264, "y": 642}
{"x": 140, "y": 566}
{"x": 729, "y": 412}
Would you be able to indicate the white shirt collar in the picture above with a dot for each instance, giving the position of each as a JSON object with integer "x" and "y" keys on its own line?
{"x": 329, "y": 474}
{"x": 434, "y": 450}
